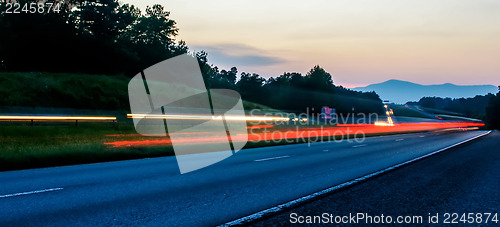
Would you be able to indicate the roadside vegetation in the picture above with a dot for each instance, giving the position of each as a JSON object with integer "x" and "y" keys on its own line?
{"x": 123, "y": 40}
{"x": 493, "y": 112}
{"x": 482, "y": 107}
{"x": 24, "y": 147}
{"x": 468, "y": 107}
{"x": 402, "y": 111}
{"x": 64, "y": 90}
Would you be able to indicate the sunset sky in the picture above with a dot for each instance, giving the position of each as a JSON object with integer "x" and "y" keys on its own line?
{"x": 359, "y": 42}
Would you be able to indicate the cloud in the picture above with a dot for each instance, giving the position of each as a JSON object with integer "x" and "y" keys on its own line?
{"x": 238, "y": 55}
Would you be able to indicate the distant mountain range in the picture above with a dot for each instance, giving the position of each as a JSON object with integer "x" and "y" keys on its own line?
{"x": 398, "y": 91}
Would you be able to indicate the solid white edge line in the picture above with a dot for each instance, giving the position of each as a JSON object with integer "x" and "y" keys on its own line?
{"x": 267, "y": 159}
{"x": 32, "y": 192}
{"x": 276, "y": 209}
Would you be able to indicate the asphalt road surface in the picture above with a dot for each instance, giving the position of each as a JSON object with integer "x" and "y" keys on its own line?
{"x": 152, "y": 192}
{"x": 465, "y": 179}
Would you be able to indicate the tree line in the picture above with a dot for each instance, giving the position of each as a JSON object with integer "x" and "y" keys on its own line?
{"x": 493, "y": 111}
{"x": 291, "y": 91}
{"x": 474, "y": 107}
{"x": 91, "y": 36}
{"x": 106, "y": 37}
{"x": 485, "y": 107}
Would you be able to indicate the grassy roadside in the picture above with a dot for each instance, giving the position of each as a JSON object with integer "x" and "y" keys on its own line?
{"x": 64, "y": 90}
{"x": 24, "y": 147}
{"x": 25, "y": 92}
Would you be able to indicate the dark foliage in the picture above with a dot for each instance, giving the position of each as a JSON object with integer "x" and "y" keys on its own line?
{"x": 493, "y": 111}
{"x": 106, "y": 37}
{"x": 471, "y": 107}
{"x": 292, "y": 91}
{"x": 92, "y": 36}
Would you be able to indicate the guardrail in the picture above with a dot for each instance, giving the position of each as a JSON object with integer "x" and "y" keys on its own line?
{"x": 32, "y": 119}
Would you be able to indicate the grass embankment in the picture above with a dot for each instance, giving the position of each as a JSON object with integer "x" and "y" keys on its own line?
{"x": 23, "y": 147}
{"x": 54, "y": 144}
{"x": 69, "y": 91}
{"x": 402, "y": 111}
{"x": 58, "y": 94}
{"x": 60, "y": 90}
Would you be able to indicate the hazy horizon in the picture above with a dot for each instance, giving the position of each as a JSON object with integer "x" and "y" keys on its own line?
{"x": 359, "y": 42}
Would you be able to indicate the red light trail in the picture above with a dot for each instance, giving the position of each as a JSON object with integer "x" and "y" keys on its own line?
{"x": 261, "y": 133}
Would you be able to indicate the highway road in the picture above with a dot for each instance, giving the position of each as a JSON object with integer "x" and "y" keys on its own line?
{"x": 152, "y": 192}
{"x": 461, "y": 180}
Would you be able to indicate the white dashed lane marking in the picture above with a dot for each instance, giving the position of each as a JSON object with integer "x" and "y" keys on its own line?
{"x": 31, "y": 192}
{"x": 273, "y": 158}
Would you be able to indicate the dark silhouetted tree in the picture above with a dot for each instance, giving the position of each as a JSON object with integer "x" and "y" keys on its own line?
{"x": 318, "y": 79}
{"x": 250, "y": 87}
{"x": 90, "y": 36}
{"x": 493, "y": 112}
{"x": 471, "y": 107}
